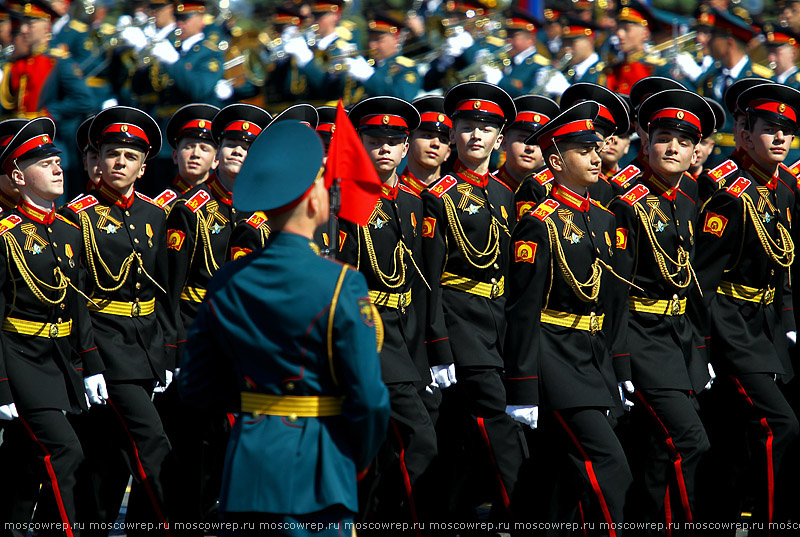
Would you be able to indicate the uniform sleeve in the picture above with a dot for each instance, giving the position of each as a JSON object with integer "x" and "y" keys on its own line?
{"x": 434, "y": 254}
{"x": 181, "y": 244}
{"x": 349, "y": 243}
{"x": 92, "y": 362}
{"x": 366, "y": 404}
{"x": 166, "y": 308}
{"x": 243, "y": 240}
{"x": 5, "y": 386}
{"x": 74, "y": 97}
{"x": 528, "y": 279}
{"x": 626, "y": 233}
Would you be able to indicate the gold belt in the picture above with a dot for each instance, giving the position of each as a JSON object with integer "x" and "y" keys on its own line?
{"x": 292, "y": 406}
{"x": 32, "y": 328}
{"x": 486, "y": 290}
{"x": 743, "y": 292}
{"x": 675, "y": 306}
{"x": 590, "y": 323}
{"x": 391, "y": 300}
{"x": 193, "y": 294}
{"x": 124, "y": 309}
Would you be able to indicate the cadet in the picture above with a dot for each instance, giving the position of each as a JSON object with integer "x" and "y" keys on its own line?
{"x": 584, "y": 64}
{"x": 659, "y": 349}
{"x": 9, "y": 191}
{"x": 428, "y": 145}
{"x": 311, "y": 380}
{"x": 132, "y": 314}
{"x": 705, "y": 147}
{"x": 561, "y": 316}
{"x": 469, "y": 216}
{"x": 743, "y": 252}
{"x": 50, "y": 357}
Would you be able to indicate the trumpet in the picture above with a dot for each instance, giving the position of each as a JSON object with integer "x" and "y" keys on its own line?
{"x": 682, "y": 43}
{"x": 474, "y": 71}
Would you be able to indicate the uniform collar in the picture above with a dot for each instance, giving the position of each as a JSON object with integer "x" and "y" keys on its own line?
{"x": 412, "y": 182}
{"x": 570, "y": 198}
{"x": 390, "y": 192}
{"x": 187, "y": 45}
{"x": 761, "y": 175}
{"x": 505, "y": 177}
{"x": 581, "y": 68}
{"x": 6, "y": 202}
{"x": 36, "y": 214}
{"x": 658, "y": 186}
{"x": 181, "y": 185}
{"x": 114, "y": 197}
{"x": 218, "y": 189}
{"x": 470, "y": 176}
{"x": 90, "y": 186}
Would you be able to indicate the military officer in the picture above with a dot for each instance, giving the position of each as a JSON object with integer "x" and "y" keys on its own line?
{"x": 132, "y": 314}
{"x": 705, "y": 147}
{"x": 313, "y": 379}
{"x": 751, "y": 216}
{"x": 584, "y": 65}
{"x": 560, "y": 325}
{"x": 469, "y": 216}
{"x": 428, "y": 144}
{"x": 659, "y": 348}
{"x": 50, "y": 357}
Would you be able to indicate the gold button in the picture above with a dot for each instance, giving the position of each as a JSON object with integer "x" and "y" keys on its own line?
{"x": 139, "y": 270}
{"x": 138, "y": 285}
{"x": 49, "y": 230}
{"x": 593, "y": 235}
{"x": 55, "y": 245}
{"x": 62, "y": 306}
{"x": 493, "y": 280}
{"x": 60, "y": 320}
{"x": 59, "y": 259}
{"x": 132, "y": 226}
{"x": 290, "y": 386}
{"x": 136, "y": 241}
{"x": 496, "y": 266}
{"x": 292, "y": 417}
{"x": 127, "y": 213}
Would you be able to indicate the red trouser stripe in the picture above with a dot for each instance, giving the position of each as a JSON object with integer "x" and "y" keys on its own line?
{"x": 677, "y": 459}
{"x": 62, "y": 511}
{"x": 503, "y": 491}
{"x": 582, "y": 518}
{"x": 668, "y": 512}
{"x": 770, "y": 462}
{"x": 140, "y": 470}
{"x": 592, "y": 477}
{"x": 406, "y": 478}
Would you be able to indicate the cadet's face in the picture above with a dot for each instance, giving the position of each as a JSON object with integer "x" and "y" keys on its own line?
{"x": 703, "y": 150}
{"x": 670, "y": 152}
{"x": 383, "y": 45}
{"x": 768, "y": 142}
{"x": 632, "y": 37}
{"x": 521, "y": 157}
{"x": 231, "y": 156}
{"x": 520, "y": 41}
{"x": 120, "y": 166}
{"x": 164, "y": 15}
{"x": 738, "y": 127}
{"x": 614, "y": 149}
{"x": 91, "y": 163}
{"x": 783, "y": 56}
{"x": 327, "y": 23}
{"x": 580, "y": 48}
{"x": 195, "y": 158}
{"x": 581, "y": 163}
{"x": 190, "y": 26}
{"x": 385, "y": 153}
{"x": 475, "y": 140}
{"x": 41, "y": 178}
{"x": 428, "y": 148}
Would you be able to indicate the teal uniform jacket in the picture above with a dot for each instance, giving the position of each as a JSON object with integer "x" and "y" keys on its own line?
{"x": 325, "y": 81}
{"x": 531, "y": 73}
{"x": 594, "y": 75}
{"x": 72, "y": 38}
{"x": 265, "y": 329}
{"x": 396, "y": 77}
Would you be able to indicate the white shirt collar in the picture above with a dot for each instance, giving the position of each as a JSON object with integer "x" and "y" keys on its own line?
{"x": 189, "y": 42}
{"x": 163, "y": 33}
{"x": 784, "y": 76}
{"x": 522, "y": 56}
{"x": 326, "y": 41}
{"x": 737, "y": 69}
{"x": 59, "y": 24}
{"x": 581, "y": 68}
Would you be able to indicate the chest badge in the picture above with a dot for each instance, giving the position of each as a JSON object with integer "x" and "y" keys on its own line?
{"x": 469, "y": 202}
{"x": 33, "y": 242}
{"x": 572, "y": 233}
{"x": 149, "y": 230}
{"x": 70, "y": 255}
{"x": 106, "y": 222}
{"x": 473, "y": 209}
{"x": 379, "y": 217}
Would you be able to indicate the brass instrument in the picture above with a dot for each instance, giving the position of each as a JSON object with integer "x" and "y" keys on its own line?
{"x": 682, "y": 43}
{"x": 497, "y": 59}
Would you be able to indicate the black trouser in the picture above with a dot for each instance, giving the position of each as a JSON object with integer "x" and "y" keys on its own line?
{"x": 675, "y": 441}
{"x": 52, "y": 455}
{"x": 594, "y": 473}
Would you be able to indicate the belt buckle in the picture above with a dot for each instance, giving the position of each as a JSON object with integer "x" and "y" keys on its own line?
{"x": 53, "y": 331}
{"x": 136, "y": 310}
{"x": 769, "y": 296}
{"x": 402, "y": 300}
{"x": 495, "y": 292}
{"x": 675, "y": 305}
{"x": 594, "y": 323}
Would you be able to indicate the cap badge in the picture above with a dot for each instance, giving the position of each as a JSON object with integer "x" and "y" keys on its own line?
{"x": 781, "y": 108}
{"x": 246, "y": 126}
{"x": 45, "y": 139}
{"x": 679, "y": 115}
{"x": 440, "y": 118}
{"x": 385, "y": 120}
{"x": 589, "y": 124}
{"x": 537, "y": 118}
{"x": 476, "y": 105}
{"x": 124, "y": 128}
{"x": 202, "y": 124}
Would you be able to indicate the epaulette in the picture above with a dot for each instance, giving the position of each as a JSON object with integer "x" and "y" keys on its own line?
{"x": 257, "y": 219}
{"x": 344, "y": 33}
{"x": 66, "y": 221}
{"x": 541, "y": 60}
{"x": 9, "y": 222}
{"x": 495, "y": 41}
{"x": 78, "y": 26}
{"x": 625, "y": 175}
{"x": 599, "y": 205}
{"x": 107, "y": 29}
{"x": 165, "y": 197}
{"x": 197, "y": 201}
{"x": 797, "y": 77}
{"x": 761, "y": 70}
{"x": 58, "y": 52}
{"x": 348, "y": 24}
{"x": 544, "y": 177}
{"x": 147, "y": 199}
{"x": 212, "y": 45}
{"x": 443, "y": 185}
{"x": 600, "y": 66}
{"x": 407, "y": 190}
{"x": 405, "y": 62}
{"x": 635, "y": 194}
{"x": 738, "y": 187}
{"x": 545, "y": 209}
{"x": 655, "y": 60}
{"x": 723, "y": 170}
{"x": 795, "y": 168}
{"x": 83, "y": 203}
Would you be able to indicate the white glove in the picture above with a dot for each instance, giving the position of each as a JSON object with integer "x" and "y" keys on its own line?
{"x": 359, "y": 69}
{"x": 8, "y": 412}
{"x": 711, "y": 380}
{"x": 161, "y": 389}
{"x": 165, "y": 52}
{"x": 492, "y": 75}
{"x": 444, "y": 376}
{"x": 627, "y": 404}
{"x": 108, "y": 103}
{"x": 96, "y": 391}
{"x": 792, "y": 337}
{"x": 223, "y": 89}
{"x": 298, "y": 48}
{"x": 134, "y": 37}
{"x": 688, "y": 66}
{"x": 456, "y": 44}
{"x": 556, "y": 85}
{"x": 527, "y": 415}
{"x": 123, "y": 22}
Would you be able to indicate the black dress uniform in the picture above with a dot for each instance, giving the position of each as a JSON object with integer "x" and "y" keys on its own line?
{"x": 660, "y": 350}
{"x": 743, "y": 252}
{"x": 467, "y": 225}
{"x": 561, "y": 315}
{"x": 47, "y": 339}
{"x": 133, "y": 318}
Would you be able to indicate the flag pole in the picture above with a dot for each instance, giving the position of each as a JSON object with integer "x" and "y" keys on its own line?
{"x": 333, "y": 223}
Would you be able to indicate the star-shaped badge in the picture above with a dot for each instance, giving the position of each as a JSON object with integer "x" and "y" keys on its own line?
{"x": 379, "y": 223}
{"x": 473, "y": 209}
{"x": 767, "y": 218}
{"x": 111, "y": 228}
{"x": 660, "y": 227}
{"x": 575, "y": 239}
{"x": 36, "y": 249}
{"x": 216, "y": 228}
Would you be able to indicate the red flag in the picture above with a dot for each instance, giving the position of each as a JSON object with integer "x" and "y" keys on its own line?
{"x": 348, "y": 162}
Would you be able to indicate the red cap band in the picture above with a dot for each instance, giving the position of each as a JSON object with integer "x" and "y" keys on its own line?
{"x": 436, "y": 117}
{"x": 532, "y": 117}
{"x": 576, "y": 31}
{"x": 477, "y": 105}
{"x": 605, "y": 113}
{"x": 677, "y": 113}
{"x": 285, "y": 19}
{"x": 582, "y": 125}
{"x": 775, "y": 107}
{"x": 382, "y": 27}
{"x": 628, "y": 14}
{"x": 243, "y": 126}
{"x": 37, "y": 141}
{"x": 778, "y": 38}
{"x": 325, "y": 127}
{"x": 190, "y": 7}
{"x": 324, "y": 7}
{"x": 197, "y": 124}
{"x": 515, "y": 23}
{"x": 383, "y": 120}
{"x": 127, "y": 129}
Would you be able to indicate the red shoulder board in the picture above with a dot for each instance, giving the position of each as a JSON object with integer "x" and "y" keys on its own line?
{"x": 544, "y": 177}
{"x": 545, "y": 209}
{"x": 443, "y": 185}
{"x": 196, "y": 202}
{"x": 65, "y": 220}
{"x": 165, "y": 198}
{"x": 723, "y": 170}
{"x": 738, "y": 187}
{"x": 407, "y": 190}
{"x": 10, "y": 222}
{"x": 83, "y": 203}
{"x": 148, "y": 199}
{"x": 635, "y": 194}
{"x": 795, "y": 168}
{"x": 625, "y": 175}
{"x": 599, "y": 205}
{"x": 257, "y": 219}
